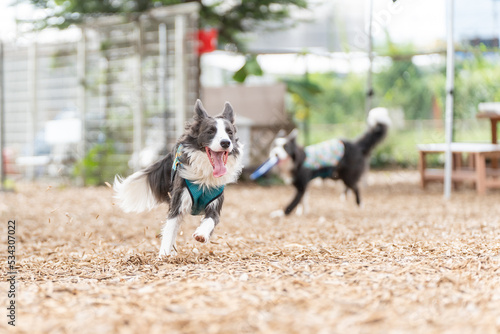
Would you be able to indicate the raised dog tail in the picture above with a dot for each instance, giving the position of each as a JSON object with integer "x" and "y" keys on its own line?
{"x": 379, "y": 123}
{"x": 145, "y": 189}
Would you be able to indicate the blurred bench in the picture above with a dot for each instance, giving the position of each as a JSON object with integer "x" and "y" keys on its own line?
{"x": 475, "y": 170}
{"x": 491, "y": 111}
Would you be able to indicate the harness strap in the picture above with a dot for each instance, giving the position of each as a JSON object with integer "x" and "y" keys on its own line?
{"x": 200, "y": 196}
{"x": 176, "y": 162}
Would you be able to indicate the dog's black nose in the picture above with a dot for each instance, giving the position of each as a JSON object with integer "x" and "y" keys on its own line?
{"x": 224, "y": 143}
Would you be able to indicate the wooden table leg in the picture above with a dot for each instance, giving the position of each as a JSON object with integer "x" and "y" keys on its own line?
{"x": 480, "y": 173}
{"x": 421, "y": 168}
{"x": 494, "y": 161}
{"x": 456, "y": 165}
{"x": 494, "y": 138}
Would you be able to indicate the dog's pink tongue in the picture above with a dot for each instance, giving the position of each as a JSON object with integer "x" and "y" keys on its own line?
{"x": 218, "y": 164}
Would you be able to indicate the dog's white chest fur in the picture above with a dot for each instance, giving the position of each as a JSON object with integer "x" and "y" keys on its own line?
{"x": 199, "y": 170}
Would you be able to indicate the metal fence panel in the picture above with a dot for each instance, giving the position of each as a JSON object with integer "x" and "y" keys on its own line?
{"x": 131, "y": 85}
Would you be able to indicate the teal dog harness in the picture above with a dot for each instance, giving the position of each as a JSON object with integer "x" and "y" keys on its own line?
{"x": 324, "y": 154}
{"x": 200, "y": 196}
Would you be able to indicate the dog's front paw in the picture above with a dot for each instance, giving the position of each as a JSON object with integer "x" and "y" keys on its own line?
{"x": 203, "y": 232}
{"x": 200, "y": 238}
{"x": 277, "y": 213}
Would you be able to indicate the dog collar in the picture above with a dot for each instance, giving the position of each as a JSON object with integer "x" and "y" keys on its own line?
{"x": 178, "y": 154}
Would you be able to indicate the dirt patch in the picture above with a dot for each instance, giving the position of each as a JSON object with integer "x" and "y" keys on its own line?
{"x": 407, "y": 262}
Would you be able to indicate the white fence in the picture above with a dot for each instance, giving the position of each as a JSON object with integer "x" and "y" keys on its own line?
{"x": 128, "y": 83}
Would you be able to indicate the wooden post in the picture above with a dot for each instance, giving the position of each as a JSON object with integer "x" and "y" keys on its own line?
{"x": 456, "y": 166}
{"x": 494, "y": 160}
{"x": 480, "y": 172}
{"x": 421, "y": 167}
{"x": 494, "y": 137}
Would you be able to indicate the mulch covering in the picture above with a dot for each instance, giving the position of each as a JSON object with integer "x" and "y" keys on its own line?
{"x": 407, "y": 262}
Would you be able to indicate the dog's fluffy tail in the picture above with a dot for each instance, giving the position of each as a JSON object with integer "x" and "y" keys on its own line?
{"x": 379, "y": 123}
{"x": 144, "y": 189}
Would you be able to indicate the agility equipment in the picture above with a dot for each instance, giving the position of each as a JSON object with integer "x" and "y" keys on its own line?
{"x": 264, "y": 168}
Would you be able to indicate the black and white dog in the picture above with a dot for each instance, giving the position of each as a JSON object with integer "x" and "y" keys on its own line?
{"x": 336, "y": 159}
{"x": 191, "y": 178}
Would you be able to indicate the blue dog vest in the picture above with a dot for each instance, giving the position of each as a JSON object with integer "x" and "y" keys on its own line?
{"x": 324, "y": 154}
{"x": 200, "y": 196}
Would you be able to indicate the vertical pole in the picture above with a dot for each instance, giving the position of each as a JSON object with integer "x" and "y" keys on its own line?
{"x": 369, "y": 78}
{"x": 495, "y": 20}
{"x": 138, "y": 117}
{"x": 369, "y": 84}
{"x": 81, "y": 68}
{"x": 450, "y": 81}
{"x": 180, "y": 73}
{"x": 33, "y": 112}
{"x": 2, "y": 118}
{"x": 162, "y": 75}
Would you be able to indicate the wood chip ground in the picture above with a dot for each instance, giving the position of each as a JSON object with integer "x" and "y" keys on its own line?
{"x": 408, "y": 262}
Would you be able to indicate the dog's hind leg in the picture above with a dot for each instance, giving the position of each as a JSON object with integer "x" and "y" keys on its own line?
{"x": 303, "y": 207}
{"x": 301, "y": 189}
{"x": 180, "y": 205}
{"x": 355, "y": 189}
{"x": 211, "y": 219}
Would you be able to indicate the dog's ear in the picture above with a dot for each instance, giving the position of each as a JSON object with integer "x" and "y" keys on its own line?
{"x": 228, "y": 112}
{"x": 293, "y": 135}
{"x": 200, "y": 112}
{"x": 281, "y": 133}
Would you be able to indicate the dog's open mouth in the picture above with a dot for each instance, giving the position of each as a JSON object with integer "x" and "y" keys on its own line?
{"x": 218, "y": 161}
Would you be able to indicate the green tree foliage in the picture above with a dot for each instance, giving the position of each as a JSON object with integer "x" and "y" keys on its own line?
{"x": 251, "y": 67}
{"x": 341, "y": 98}
{"x": 95, "y": 163}
{"x": 303, "y": 92}
{"x": 476, "y": 81}
{"x": 230, "y": 18}
{"x": 403, "y": 84}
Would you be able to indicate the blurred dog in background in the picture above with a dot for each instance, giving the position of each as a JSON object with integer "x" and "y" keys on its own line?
{"x": 336, "y": 159}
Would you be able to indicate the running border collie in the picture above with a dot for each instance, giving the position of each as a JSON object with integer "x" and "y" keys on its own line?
{"x": 191, "y": 178}
{"x": 339, "y": 159}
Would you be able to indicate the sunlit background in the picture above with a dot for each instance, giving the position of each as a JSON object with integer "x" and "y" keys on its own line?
{"x": 308, "y": 70}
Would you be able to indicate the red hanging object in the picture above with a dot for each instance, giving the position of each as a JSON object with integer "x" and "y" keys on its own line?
{"x": 207, "y": 40}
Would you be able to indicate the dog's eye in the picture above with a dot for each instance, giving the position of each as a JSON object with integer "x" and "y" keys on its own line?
{"x": 229, "y": 132}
